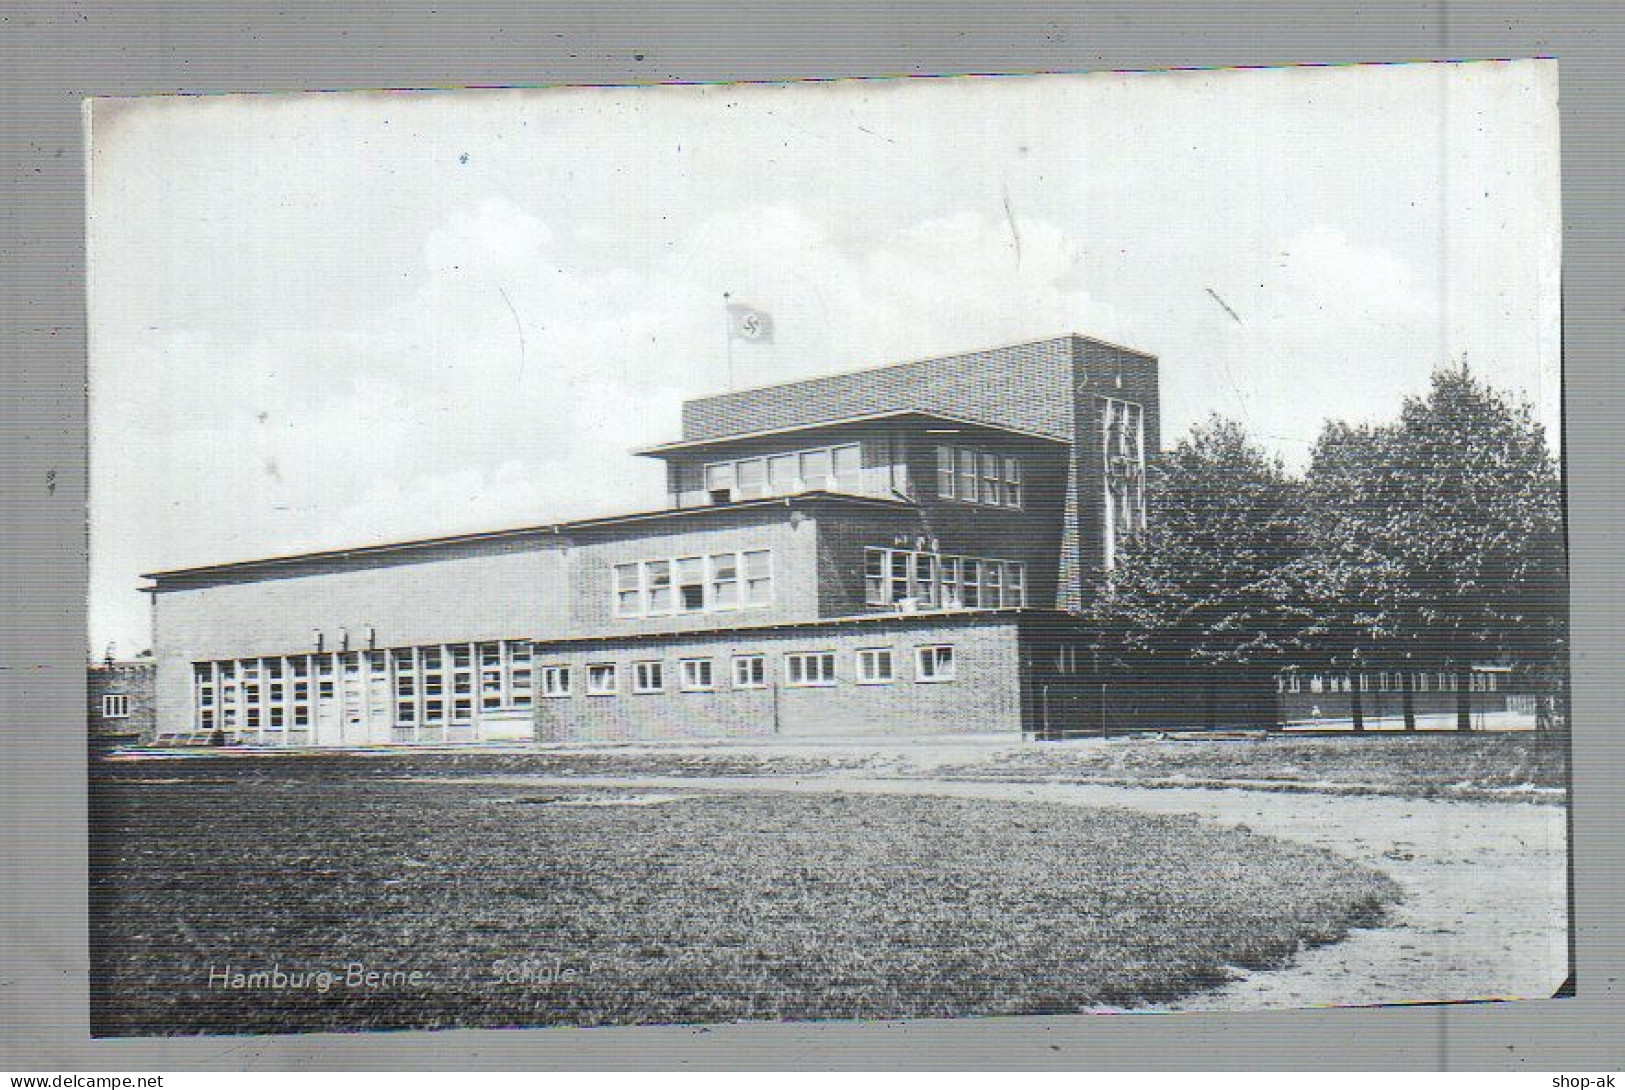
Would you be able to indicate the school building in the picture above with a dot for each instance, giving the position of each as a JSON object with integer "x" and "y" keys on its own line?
{"x": 910, "y": 548}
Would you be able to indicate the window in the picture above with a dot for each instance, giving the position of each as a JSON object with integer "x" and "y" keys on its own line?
{"x": 758, "y": 568}
{"x": 696, "y": 675}
{"x": 970, "y": 582}
{"x": 897, "y": 569}
{"x": 601, "y": 679}
{"x": 978, "y": 476}
{"x": 555, "y": 681}
{"x": 992, "y": 479}
{"x": 628, "y": 591}
{"x": 875, "y": 666}
{"x": 953, "y": 582}
{"x": 782, "y": 470}
{"x": 434, "y": 711}
{"x": 115, "y": 706}
{"x": 934, "y": 663}
{"x": 752, "y": 477}
{"x": 1012, "y": 482}
{"x": 750, "y": 671}
{"x": 649, "y": 677}
{"x": 694, "y": 584}
{"x": 1015, "y": 584}
{"x": 808, "y": 669}
{"x": 657, "y": 579}
{"x": 848, "y": 464}
{"x": 968, "y": 489}
{"x": 818, "y": 468}
{"x": 925, "y": 579}
{"x": 691, "y": 584}
{"x": 951, "y": 598}
{"x": 719, "y": 480}
{"x": 875, "y": 587}
{"x": 945, "y": 473}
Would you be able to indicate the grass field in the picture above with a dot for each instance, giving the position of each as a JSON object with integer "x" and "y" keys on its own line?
{"x": 610, "y": 908}
{"x": 1486, "y": 766}
{"x": 1422, "y": 766}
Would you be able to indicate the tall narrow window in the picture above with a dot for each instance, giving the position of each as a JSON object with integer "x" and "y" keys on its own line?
{"x": 1015, "y": 584}
{"x": 946, "y": 477}
{"x": 992, "y": 584}
{"x": 758, "y": 577}
{"x": 874, "y": 577}
{"x": 950, "y": 583}
{"x": 970, "y": 582}
{"x": 925, "y": 579}
{"x": 1012, "y": 482}
{"x": 657, "y": 573}
{"x": 968, "y": 489}
{"x": 116, "y": 706}
{"x": 992, "y": 479}
{"x": 899, "y": 576}
{"x": 724, "y": 581}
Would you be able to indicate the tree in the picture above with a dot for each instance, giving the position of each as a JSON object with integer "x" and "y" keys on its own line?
{"x": 1201, "y": 588}
{"x": 1441, "y": 535}
{"x": 1346, "y": 592}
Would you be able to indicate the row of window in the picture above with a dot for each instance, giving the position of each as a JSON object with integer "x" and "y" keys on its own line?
{"x": 891, "y": 576}
{"x": 802, "y": 669}
{"x": 433, "y": 684}
{"x": 1388, "y": 682}
{"x": 694, "y": 584}
{"x": 978, "y": 476}
{"x": 116, "y": 706}
{"x": 817, "y": 469}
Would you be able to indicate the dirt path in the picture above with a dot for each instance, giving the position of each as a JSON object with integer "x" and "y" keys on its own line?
{"x": 1485, "y": 913}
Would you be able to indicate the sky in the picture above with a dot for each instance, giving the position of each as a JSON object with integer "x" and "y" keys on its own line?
{"x": 329, "y": 320}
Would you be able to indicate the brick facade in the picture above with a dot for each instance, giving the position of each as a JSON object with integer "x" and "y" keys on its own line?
{"x": 555, "y": 586}
{"x": 984, "y": 696}
{"x": 135, "y": 681}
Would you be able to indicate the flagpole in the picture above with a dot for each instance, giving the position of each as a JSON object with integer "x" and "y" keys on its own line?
{"x": 728, "y": 336}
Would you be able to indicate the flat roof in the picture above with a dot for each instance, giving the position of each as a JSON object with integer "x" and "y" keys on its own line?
{"x": 547, "y": 529}
{"x": 1072, "y": 336}
{"x": 937, "y": 616}
{"x": 922, "y": 415}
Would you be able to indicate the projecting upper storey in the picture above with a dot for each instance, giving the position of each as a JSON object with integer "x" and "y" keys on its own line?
{"x": 901, "y": 455}
{"x": 1067, "y": 419}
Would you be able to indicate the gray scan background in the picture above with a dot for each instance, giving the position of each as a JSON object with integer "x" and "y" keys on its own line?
{"x": 54, "y": 54}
